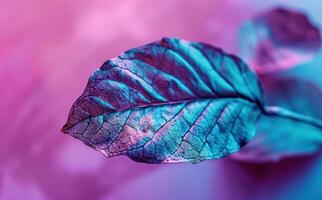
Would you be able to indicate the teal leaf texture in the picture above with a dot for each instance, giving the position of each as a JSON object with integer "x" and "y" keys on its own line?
{"x": 168, "y": 101}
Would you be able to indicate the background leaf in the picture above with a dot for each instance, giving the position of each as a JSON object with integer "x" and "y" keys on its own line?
{"x": 293, "y": 94}
{"x": 279, "y": 137}
{"x": 168, "y": 101}
{"x": 279, "y": 38}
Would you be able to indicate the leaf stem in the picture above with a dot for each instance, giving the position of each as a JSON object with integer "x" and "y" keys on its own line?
{"x": 281, "y": 112}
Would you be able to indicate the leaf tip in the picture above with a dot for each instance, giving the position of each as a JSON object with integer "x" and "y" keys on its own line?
{"x": 65, "y": 128}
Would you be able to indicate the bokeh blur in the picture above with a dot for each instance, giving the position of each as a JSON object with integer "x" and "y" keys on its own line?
{"x": 48, "y": 49}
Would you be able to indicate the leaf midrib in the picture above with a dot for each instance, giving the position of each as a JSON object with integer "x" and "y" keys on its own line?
{"x": 67, "y": 126}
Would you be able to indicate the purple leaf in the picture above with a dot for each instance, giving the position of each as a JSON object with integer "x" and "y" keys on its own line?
{"x": 278, "y": 39}
{"x": 280, "y": 137}
{"x": 168, "y": 101}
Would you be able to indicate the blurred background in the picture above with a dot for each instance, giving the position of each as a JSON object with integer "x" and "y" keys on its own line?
{"x": 48, "y": 49}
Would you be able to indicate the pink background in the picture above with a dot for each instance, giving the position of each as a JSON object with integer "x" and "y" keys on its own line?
{"x": 48, "y": 50}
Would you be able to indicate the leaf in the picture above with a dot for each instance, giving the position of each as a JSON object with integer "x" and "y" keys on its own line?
{"x": 278, "y": 39}
{"x": 168, "y": 101}
{"x": 279, "y": 137}
{"x": 293, "y": 94}
{"x": 290, "y": 139}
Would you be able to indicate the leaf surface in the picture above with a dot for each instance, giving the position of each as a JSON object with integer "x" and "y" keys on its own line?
{"x": 168, "y": 101}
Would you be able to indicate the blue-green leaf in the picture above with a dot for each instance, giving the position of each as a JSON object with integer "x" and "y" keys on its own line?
{"x": 285, "y": 134}
{"x": 168, "y": 101}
